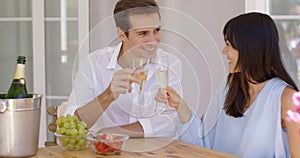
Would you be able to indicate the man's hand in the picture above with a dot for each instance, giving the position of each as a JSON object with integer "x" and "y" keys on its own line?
{"x": 121, "y": 82}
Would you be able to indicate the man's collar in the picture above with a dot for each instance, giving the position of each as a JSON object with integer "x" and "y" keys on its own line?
{"x": 114, "y": 58}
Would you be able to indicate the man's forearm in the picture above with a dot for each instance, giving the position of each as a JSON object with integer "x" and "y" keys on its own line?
{"x": 133, "y": 130}
{"x": 94, "y": 109}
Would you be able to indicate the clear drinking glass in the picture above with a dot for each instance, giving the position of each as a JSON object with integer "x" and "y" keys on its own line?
{"x": 162, "y": 75}
{"x": 141, "y": 71}
{"x": 140, "y": 68}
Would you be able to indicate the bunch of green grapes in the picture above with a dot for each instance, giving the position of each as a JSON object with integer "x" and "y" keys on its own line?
{"x": 73, "y": 132}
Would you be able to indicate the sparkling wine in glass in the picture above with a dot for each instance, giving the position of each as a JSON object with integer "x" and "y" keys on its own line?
{"x": 142, "y": 75}
{"x": 162, "y": 73}
{"x": 162, "y": 77}
{"x": 140, "y": 68}
{"x": 141, "y": 71}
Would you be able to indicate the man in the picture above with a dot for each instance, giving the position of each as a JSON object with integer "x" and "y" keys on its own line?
{"x": 104, "y": 90}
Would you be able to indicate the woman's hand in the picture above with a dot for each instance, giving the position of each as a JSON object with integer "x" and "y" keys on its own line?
{"x": 161, "y": 96}
{"x": 172, "y": 99}
{"x": 168, "y": 96}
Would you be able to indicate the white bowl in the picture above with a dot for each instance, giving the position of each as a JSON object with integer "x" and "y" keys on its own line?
{"x": 107, "y": 143}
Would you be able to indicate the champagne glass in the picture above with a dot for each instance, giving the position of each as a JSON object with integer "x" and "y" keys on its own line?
{"x": 141, "y": 71}
{"x": 162, "y": 73}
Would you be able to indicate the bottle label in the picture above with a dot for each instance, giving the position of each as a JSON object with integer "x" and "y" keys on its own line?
{"x": 20, "y": 71}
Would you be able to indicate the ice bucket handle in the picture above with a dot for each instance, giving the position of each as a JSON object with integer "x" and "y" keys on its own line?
{"x": 3, "y": 106}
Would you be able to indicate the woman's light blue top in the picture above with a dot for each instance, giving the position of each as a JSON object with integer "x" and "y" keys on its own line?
{"x": 258, "y": 134}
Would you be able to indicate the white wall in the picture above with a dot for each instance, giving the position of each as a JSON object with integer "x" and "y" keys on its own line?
{"x": 192, "y": 31}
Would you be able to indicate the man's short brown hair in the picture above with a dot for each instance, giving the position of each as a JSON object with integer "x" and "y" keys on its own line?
{"x": 125, "y": 8}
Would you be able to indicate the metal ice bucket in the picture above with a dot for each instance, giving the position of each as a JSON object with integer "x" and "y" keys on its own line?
{"x": 19, "y": 126}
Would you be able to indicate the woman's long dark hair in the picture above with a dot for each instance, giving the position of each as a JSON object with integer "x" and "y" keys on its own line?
{"x": 255, "y": 37}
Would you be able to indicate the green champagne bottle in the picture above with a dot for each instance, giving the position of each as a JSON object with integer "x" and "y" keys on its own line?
{"x": 18, "y": 88}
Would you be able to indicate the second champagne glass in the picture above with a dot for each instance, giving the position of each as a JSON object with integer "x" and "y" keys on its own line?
{"x": 162, "y": 73}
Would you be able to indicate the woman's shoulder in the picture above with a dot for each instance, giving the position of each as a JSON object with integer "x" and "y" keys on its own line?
{"x": 278, "y": 84}
{"x": 286, "y": 98}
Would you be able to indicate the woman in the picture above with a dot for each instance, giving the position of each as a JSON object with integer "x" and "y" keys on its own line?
{"x": 248, "y": 114}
